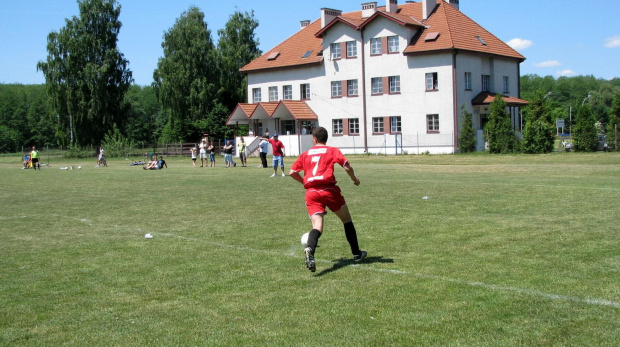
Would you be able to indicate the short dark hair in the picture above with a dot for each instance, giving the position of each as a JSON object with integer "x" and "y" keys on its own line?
{"x": 321, "y": 134}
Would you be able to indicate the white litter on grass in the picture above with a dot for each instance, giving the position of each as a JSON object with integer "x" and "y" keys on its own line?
{"x": 425, "y": 198}
{"x": 148, "y": 236}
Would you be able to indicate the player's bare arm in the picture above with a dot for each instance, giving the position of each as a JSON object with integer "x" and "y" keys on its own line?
{"x": 296, "y": 176}
{"x": 349, "y": 169}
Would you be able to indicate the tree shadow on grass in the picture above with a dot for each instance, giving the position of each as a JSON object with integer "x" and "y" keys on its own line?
{"x": 342, "y": 262}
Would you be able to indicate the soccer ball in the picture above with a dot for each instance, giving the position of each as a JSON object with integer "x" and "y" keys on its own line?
{"x": 304, "y": 239}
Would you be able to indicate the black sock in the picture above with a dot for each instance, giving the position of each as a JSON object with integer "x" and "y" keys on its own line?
{"x": 313, "y": 239}
{"x": 351, "y": 234}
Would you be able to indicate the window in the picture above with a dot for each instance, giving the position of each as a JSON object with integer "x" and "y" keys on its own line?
{"x": 392, "y": 44}
{"x": 306, "y": 127}
{"x": 468, "y": 81}
{"x": 352, "y": 88}
{"x": 273, "y": 93}
{"x": 305, "y": 91}
{"x": 395, "y": 124}
{"x": 287, "y": 127}
{"x": 394, "y": 84}
{"x": 337, "y": 128}
{"x": 352, "y": 49}
{"x": 354, "y": 126}
{"x": 375, "y": 46}
{"x": 431, "y": 81}
{"x": 306, "y": 55}
{"x": 377, "y": 85}
{"x": 377, "y": 125}
{"x": 486, "y": 83}
{"x": 432, "y": 123}
{"x": 287, "y": 92}
{"x": 336, "y": 89}
{"x": 335, "y": 49}
{"x": 256, "y": 95}
{"x": 506, "y": 85}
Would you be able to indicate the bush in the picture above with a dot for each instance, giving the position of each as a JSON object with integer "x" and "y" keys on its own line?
{"x": 75, "y": 151}
{"x": 115, "y": 144}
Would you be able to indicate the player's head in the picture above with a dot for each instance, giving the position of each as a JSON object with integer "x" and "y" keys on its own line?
{"x": 320, "y": 134}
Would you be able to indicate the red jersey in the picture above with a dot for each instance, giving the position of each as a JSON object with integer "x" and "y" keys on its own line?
{"x": 317, "y": 163}
{"x": 276, "y": 146}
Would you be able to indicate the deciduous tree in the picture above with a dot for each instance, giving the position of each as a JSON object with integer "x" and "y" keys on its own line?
{"x": 85, "y": 73}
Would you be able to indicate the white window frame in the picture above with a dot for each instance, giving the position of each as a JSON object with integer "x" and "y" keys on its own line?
{"x": 351, "y": 49}
{"x": 486, "y": 83}
{"x": 393, "y": 45}
{"x": 468, "y": 81}
{"x": 375, "y": 46}
{"x": 432, "y": 81}
{"x": 335, "y": 51}
{"x": 395, "y": 124}
{"x": 337, "y": 127}
{"x": 273, "y": 93}
{"x": 394, "y": 84}
{"x": 377, "y": 85}
{"x": 354, "y": 126}
{"x": 256, "y": 95}
{"x": 287, "y": 92}
{"x": 336, "y": 89}
{"x": 432, "y": 123}
{"x": 352, "y": 88}
{"x": 304, "y": 91}
{"x": 377, "y": 125}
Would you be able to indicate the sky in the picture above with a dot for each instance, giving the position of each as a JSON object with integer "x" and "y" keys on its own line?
{"x": 557, "y": 37}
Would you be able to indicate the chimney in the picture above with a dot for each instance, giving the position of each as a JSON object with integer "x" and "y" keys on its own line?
{"x": 391, "y": 6}
{"x": 304, "y": 23}
{"x": 328, "y": 15}
{"x": 427, "y": 7}
{"x": 454, "y": 3}
{"x": 368, "y": 9}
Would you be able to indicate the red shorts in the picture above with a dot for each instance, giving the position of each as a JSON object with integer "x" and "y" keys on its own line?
{"x": 318, "y": 198}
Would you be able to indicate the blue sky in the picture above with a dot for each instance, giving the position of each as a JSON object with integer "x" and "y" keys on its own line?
{"x": 558, "y": 37}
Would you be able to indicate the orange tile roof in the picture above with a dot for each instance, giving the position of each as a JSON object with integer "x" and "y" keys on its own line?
{"x": 299, "y": 109}
{"x": 457, "y": 31}
{"x": 486, "y": 98}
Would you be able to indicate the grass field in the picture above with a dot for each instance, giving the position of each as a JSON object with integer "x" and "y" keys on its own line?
{"x": 506, "y": 250}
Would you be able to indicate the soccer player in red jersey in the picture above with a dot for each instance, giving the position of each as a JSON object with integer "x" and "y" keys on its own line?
{"x": 317, "y": 163}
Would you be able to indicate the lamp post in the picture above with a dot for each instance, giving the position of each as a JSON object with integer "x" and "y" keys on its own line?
{"x": 584, "y": 100}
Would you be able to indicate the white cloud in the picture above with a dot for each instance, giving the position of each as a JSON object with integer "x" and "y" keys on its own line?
{"x": 565, "y": 73}
{"x": 548, "y": 63}
{"x": 519, "y": 43}
{"x": 612, "y": 42}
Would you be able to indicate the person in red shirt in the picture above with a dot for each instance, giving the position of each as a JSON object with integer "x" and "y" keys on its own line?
{"x": 318, "y": 163}
{"x": 278, "y": 154}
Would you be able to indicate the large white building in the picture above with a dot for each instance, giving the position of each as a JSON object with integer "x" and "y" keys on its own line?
{"x": 386, "y": 79}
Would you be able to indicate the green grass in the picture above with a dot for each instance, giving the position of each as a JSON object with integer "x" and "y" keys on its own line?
{"x": 506, "y": 250}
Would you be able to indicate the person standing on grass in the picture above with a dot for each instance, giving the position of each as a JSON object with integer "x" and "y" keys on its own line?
{"x": 241, "y": 148}
{"x": 264, "y": 147}
{"x": 278, "y": 154}
{"x": 318, "y": 163}
{"x": 228, "y": 149}
{"x": 211, "y": 150}
{"x": 34, "y": 158}
{"x": 193, "y": 150}
{"x": 203, "y": 152}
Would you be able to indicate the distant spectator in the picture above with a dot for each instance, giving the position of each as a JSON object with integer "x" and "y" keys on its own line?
{"x": 241, "y": 148}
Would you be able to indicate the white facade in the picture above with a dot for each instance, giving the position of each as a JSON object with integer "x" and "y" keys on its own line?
{"x": 413, "y": 107}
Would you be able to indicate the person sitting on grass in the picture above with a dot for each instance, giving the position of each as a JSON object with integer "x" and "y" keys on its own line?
{"x": 161, "y": 163}
{"x": 152, "y": 164}
{"x": 26, "y": 162}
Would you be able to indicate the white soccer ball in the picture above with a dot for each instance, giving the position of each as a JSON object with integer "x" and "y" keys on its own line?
{"x": 148, "y": 236}
{"x": 304, "y": 239}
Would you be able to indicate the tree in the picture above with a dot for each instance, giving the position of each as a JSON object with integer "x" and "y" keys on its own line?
{"x": 85, "y": 73}
{"x": 614, "y": 122}
{"x": 186, "y": 78}
{"x": 585, "y": 136}
{"x": 145, "y": 118}
{"x": 539, "y": 134}
{"x": 467, "y": 135}
{"x": 502, "y": 138}
{"x": 237, "y": 46}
